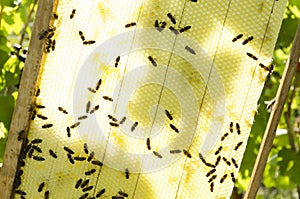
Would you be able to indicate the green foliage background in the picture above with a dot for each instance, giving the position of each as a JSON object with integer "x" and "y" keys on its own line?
{"x": 282, "y": 173}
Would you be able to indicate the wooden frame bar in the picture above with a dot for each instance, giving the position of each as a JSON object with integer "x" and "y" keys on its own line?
{"x": 20, "y": 120}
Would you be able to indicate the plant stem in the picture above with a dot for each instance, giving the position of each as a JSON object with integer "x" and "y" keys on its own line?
{"x": 27, "y": 22}
{"x": 1, "y": 12}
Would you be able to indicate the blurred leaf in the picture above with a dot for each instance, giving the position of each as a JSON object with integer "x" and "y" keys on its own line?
{"x": 9, "y": 3}
{"x": 2, "y": 148}
{"x": 7, "y": 104}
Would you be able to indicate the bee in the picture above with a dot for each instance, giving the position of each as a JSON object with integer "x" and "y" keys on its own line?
{"x": 94, "y": 109}
{"x": 41, "y": 186}
{"x": 82, "y": 117}
{"x": 46, "y": 194}
{"x": 38, "y": 158}
{"x": 36, "y": 141}
{"x": 20, "y": 192}
{"x": 156, "y": 24}
{"x": 238, "y": 145}
{"x": 37, "y": 93}
{"x": 91, "y": 90}
{"x": 148, "y": 144}
{"x": 231, "y": 127}
{"x": 88, "y": 106}
{"x": 70, "y": 158}
{"x": 248, "y": 40}
{"x": 218, "y": 160}
{"x": 176, "y": 32}
{"x": 239, "y": 36}
{"x": 238, "y": 129}
{"x": 39, "y": 106}
{"x": 210, "y": 172}
{"x": 78, "y": 183}
{"x": 224, "y": 136}
{"x": 219, "y": 150}
{"x": 159, "y": 25}
{"x": 19, "y": 173}
{"x": 75, "y": 125}
{"x": 85, "y": 148}
{"x": 169, "y": 115}
{"x": 175, "y": 151}
{"x": 42, "y": 117}
{"x": 20, "y": 135}
{"x": 252, "y": 56}
{"x": 73, "y": 14}
{"x": 45, "y": 33}
{"x": 98, "y": 84}
{"x": 83, "y": 196}
{"x": 53, "y": 44}
{"x": 49, "y": 37}
{"x": 112, "y": 118}
{"x": 68, "y": 132}
{"x": 45, "y": 126}
{"x": 97, "y": 162}
{"x": 91, "y": 156}
{"x": 232, "y": 177}
{"x": 186, "y": 28}
{"x": 78, "y": 158}
{"x": 223, "y": 178}
{"x": 270, "y": 104}
{"x": 122, "y": 120}
{"x": 123, "y": 193}
{"x": 52, "y": 153}
{"x": 134, "y": 126}
{"x": 174, "y": 128}
{"x": 90, "y": 172}
{"x": 227, "y": 162}
{"x": 212, "y": 187}
{"x": 130, "y": 24}
{"x": 62, "y": 110}
{"x": 113, "y": 124}
{"x": 269, "y": 68}
{"x": 70, "y": 151}
{"x": 204, "y": 161}
{"x": 185, "y": 152}
{"x": 21, "y": 163}
{"x": 172, "y": 19}
{"x": 81, "y": 36}
{"x": 117, "y": 61}
{"x": 157, "y": 154}
{"x": 234, "y": 163}
{"x": 153, "y": 62}
{"x": 212, "y": 178}
{"x": 30, "y": 153}
{"x": 127, "y": 173}
{"x": 17, "y": 182}
{"x": 100, "y": 193}
{"x": 88, "y": 188}
{"x": 89, "y": 42}
{"x": 107, "y": 98}
{"x": 85, "y": 183}
{"x": 38, "y": 149}
{"x": 190, "y": 50}
{"x": 55, "y": 16}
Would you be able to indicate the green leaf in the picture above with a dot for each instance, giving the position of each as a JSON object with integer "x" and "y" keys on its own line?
{"x": 9, "y": 3}
{"x": 7, "y": 104}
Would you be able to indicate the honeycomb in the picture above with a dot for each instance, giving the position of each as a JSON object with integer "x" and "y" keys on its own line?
{"x": 147, "y": 99}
